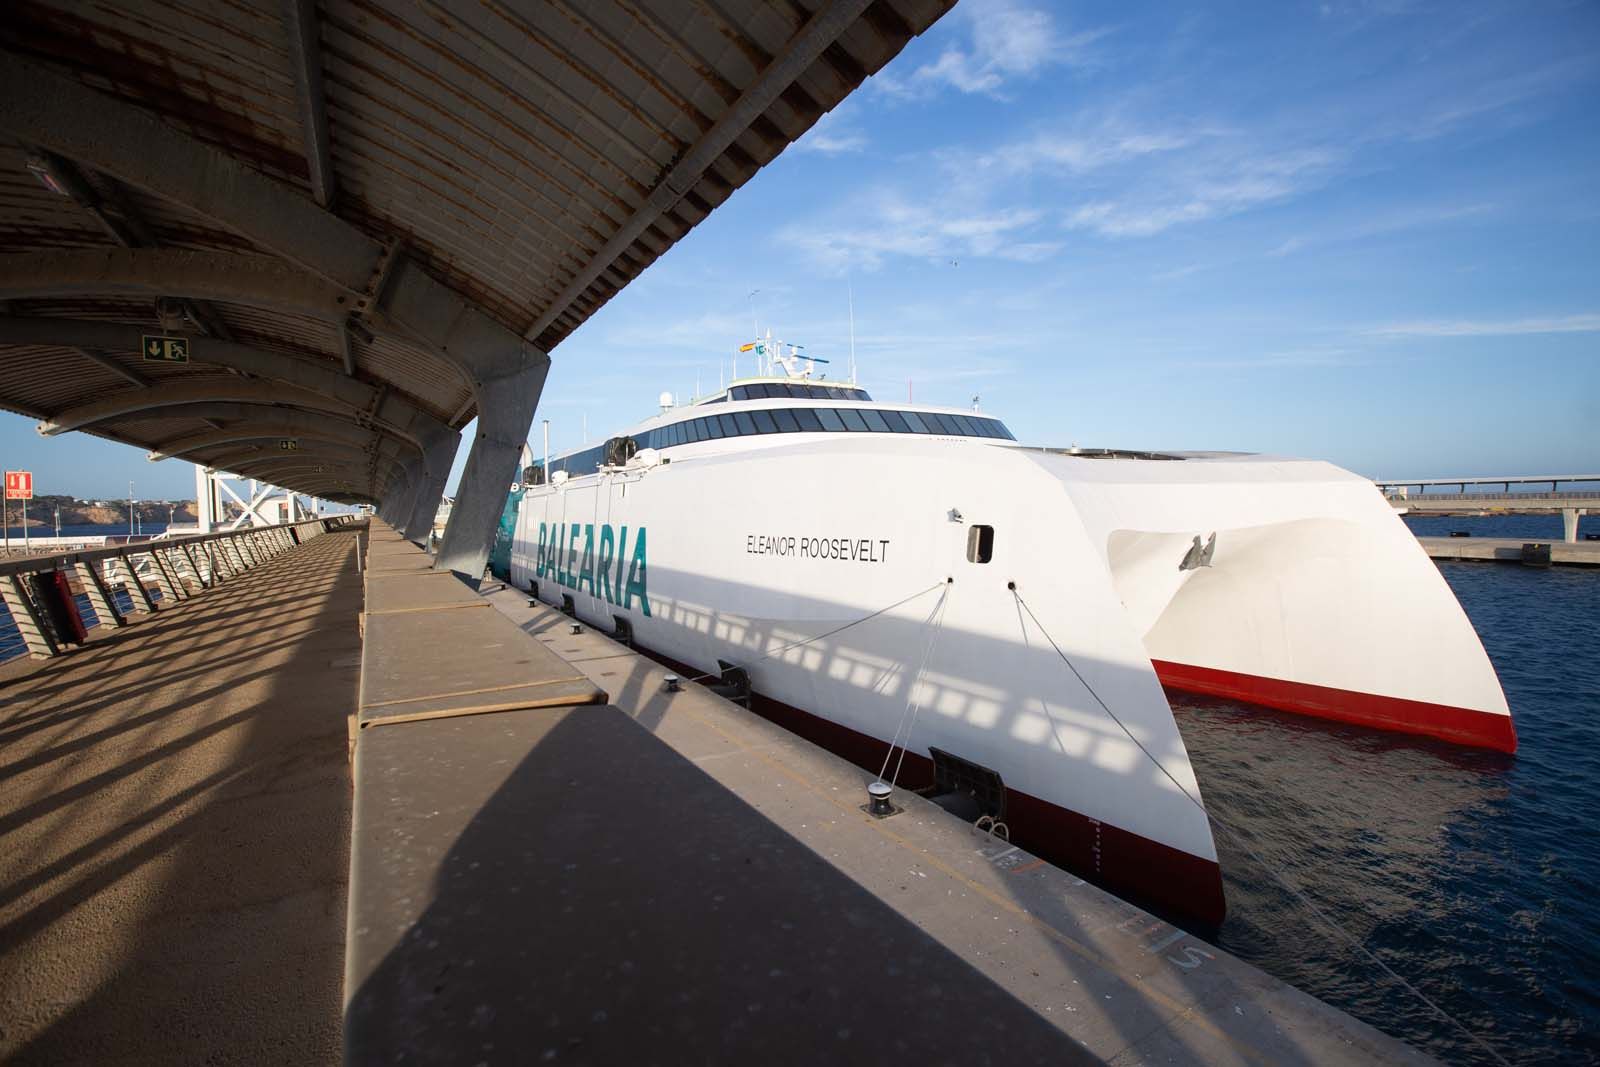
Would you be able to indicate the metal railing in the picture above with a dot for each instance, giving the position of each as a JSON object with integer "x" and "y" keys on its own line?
{"x": 176, "y": 568}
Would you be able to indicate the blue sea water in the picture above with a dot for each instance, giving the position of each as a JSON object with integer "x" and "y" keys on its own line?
{"x": 1474, "y": 875}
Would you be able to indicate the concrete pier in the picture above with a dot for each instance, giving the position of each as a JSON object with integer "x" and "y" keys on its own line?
{"x": 1509, "y": 550}
{"x": 174, "y": 827}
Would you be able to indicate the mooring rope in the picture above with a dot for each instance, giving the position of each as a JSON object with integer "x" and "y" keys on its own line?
{"x": 913, "y": 702}
{"x": 1281, "y": 878}
{"x": 829, "y": 633}
{"x": 793, "y": 644}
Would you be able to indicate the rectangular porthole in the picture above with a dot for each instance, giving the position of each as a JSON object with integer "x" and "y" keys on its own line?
{"x": 980, "y": 544}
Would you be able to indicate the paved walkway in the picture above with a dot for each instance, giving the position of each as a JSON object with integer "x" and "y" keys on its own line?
{"x": 174, "y": 814}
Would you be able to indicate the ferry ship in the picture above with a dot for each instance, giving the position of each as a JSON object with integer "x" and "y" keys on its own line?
{"x": 909, "y": 581}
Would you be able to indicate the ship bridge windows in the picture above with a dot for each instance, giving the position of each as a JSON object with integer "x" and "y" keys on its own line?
{"x": 796, "y": 391}
{"x": 821, "y": 420}
{"x": 792, "y": 420}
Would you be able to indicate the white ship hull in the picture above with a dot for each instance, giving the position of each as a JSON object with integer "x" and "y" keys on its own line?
{"x": 1046, "y": 663}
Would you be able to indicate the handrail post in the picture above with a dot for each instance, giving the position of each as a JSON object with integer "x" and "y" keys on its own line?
{"x": 164, "y": 582}
{"x": 33, "y": 627}
{"x": 136, "y": 586}
{"x": 194, "y": 564}
{"x": 100, "y": 598}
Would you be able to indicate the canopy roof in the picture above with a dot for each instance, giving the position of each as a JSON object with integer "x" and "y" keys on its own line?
{"x": 370, "y": 219}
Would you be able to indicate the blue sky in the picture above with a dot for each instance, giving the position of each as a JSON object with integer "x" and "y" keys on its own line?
{"x": 1364, "y": 232}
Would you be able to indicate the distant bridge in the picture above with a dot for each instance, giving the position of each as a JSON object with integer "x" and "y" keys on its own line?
{"x": 1571, "y": 504}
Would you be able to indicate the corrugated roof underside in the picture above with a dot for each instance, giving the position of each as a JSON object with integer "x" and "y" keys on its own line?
{"x": 503, "y": 143}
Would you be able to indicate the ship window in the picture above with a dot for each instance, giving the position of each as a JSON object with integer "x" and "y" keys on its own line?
{"x": 895, "y": 421}
{"x": 807, "y": 418}
{"x": 747, "y": 425}
{"x": 830, "y": 420}
{"x": 946, "y": 424}
{"x": 713, "y": 427}
{"x": 729, "y": 427}
{"x": 914, "y": 421}
{"x": 852, "y": 420}
{"x": 980, "y": 544}
{"x": 875, "y": 421}
{"x": 764, "y": 423}
{"x": 963, "y": 425}
{"x": 785, "y": 420}
{"x": 685, "y": 433}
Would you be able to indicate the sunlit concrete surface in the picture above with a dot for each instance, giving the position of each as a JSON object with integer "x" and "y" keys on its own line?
{"x": 174, "y": 813}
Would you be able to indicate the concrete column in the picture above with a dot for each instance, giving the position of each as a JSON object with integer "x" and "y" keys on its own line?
{"x": 1569, "y": 523}
{"x": 100, "y": 599}
{"x": 505, "y": 411}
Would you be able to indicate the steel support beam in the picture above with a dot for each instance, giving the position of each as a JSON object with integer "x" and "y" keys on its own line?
{"x": 355, "y": 398}
{"x": 135, "y": 402}
{"x": 232, "y": 277}
{"x": 288, "y": 426}
{"x": 416, "y": 523}
{"x": 491, "y": 468}
{"x": 305, "y": 55}
{"x": 245, "y": 416}
{"x": 822, "y": 31}
{"x": 111, "y": 364}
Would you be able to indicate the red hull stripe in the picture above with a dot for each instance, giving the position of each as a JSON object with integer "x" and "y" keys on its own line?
{"x": 1462, "y": 726}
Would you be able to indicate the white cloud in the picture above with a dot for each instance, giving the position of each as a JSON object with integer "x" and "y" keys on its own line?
{"x": 1209, "y": 185}
{"x": 895, "y": 226}
{"x": 1391, "y": 222}
{"x": 1589, "y": 323}
{"x": 831, "y": 144}
{"x": 1007, "y": 41}
{"x": 1079, "y": 153}
{"x": 832, "y": 136}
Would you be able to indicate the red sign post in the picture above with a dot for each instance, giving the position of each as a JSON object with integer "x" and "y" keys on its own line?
{"x": 19, "y": 486}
